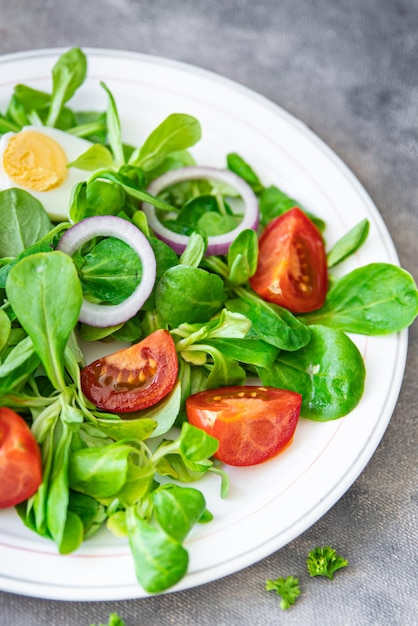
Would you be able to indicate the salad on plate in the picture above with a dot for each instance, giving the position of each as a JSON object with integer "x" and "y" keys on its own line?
{"x": 217, "y": 290}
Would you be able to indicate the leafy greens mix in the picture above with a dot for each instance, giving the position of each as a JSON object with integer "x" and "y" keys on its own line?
{"x": 98, "y": 468}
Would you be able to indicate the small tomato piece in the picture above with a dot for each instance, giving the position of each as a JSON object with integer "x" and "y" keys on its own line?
{"x": 134, "y": 378}
{"x": 252, "y": 424}
{"x": 292, "y": 265}
{"x": 20, "y": 460}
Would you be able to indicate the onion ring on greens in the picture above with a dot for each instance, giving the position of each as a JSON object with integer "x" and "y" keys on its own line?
{"x": 218, "y": 244}
{"x": 101, "y": 315}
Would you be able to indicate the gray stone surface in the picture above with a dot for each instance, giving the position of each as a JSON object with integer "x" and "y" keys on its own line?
{"x": 349, "y": 71}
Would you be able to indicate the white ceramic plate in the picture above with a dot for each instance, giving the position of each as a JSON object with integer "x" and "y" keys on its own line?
{"x": 271, "y": 504}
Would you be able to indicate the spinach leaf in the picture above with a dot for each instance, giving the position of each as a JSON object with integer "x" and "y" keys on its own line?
{"x": 176, "y": 159}
{"x": 243, "y": 257}
{"x": 98, "y": 197}
{"x": 224, "y": 325}
{"x": 36, "y": 105}
{"x": 113, "y": 128}
{"x": 194, "y": 209}
{"x": 20, "y": 353}
{"x": 94, "y": 158}
{"x": 18, "y": 365}
{"x": 57, "y": 500}
{"x": 23, "y": 221}
{"x": 376, "y": 299}
{"x": 274, "y": 202}
{"x": 5, "y": 328}
{"x": 178, "y": 509}
{"x": 329, "y": 373}
{"x": 100, "y": 472}
{"x": 160, "y": 560}
{"x": 41, "y": 246}
{"x": 271, "y": 323}
{"x": 237, "y": 164}
{"x": 213, "y": 224}
{"x": 131, "y": 187}
{"x": 109, "y": 272}
{"x": 68, "y": 74}
{"x": 188, "y": 294}
{"x": 32, "y": 99}
{"x": 91, "y": 124}
{"x": 89, "y": 510}
{"x": 349, "y": 243}
{"x": 45, "y": 294}
{"x": 148, "y": 423}
{"x": 194, "y": 251}
{"x": 250, "y": 350}
{"x": 73, "y": 533}
{"x": 222, "y": 370}
{"x": 7, "y": 125}
{"x": 177, "y": 132}
{"x": 16, "y": 112}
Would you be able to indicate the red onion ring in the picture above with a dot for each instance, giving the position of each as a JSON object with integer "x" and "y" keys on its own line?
{"x": 101, "y": 315}
{"x": 218, "y": 244}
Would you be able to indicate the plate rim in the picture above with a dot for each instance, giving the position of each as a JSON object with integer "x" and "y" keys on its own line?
{"x": 194, "y": 579}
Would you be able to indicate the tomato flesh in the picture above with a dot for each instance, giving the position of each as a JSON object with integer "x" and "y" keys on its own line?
{"x": 20, "y": 460}
{"x": 252, "y": 424}
{"x": 292, "y": 265}
{"x": 134, "y": 378}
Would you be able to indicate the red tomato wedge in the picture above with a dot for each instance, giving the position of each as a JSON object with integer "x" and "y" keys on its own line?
{"x": 134, "y": 378}
{"x": 20, "y": 460}
{"x": 292, "y": 264}
{"x": 252, "y": 424}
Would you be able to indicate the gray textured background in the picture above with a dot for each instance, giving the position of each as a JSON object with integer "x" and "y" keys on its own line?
{"x": 349, "y": 70}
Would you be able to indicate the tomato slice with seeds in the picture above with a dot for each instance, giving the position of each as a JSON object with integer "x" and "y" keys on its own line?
{"x": 20, "y": 460}
{"x": 252, "y": 424}
{"x": 134, "y": 378}
{"x": 292, "y": 265}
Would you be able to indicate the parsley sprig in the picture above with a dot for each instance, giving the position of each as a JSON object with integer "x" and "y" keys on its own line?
{"x": 287, "y": 588}
{"x": 324, "y": 562}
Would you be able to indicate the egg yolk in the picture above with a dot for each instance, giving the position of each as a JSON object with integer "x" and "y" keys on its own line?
{"x": 35, "y": 161}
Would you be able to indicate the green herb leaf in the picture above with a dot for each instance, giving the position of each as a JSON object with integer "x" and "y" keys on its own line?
{"x": 23, "y": 221}
{"x": 178, "y": 509}
{"x": 287, "y": 588}
{"x": 349, "y": 243}
{"x": 113, "y": 128}
{"x": 109, "y": 272}
{"x": 271, "y": 323}
{"x": 237, "y": 164}
{"x": 99, "y": 472}
{"x": 188, "y": 294}
{"x": 376, "y": 299}
{"x": 329, "y": 373}
{"x": 5, "y": 328}
{"x": 160, "y": 560}
{"x": 177, "y": 132}
{"x": 274, "y": 202}
{"x": 94, "y": 158}
{"x": 243, "y": 257}
{"x": 68, "y": 74}
{"x": 45, "y": 294}
{"x": 324, "y": 562}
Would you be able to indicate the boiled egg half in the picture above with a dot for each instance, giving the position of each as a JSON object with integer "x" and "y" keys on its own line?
{"x": 35, "y": 159}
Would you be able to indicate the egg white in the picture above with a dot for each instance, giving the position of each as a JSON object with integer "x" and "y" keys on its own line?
{"x": 56, "y": 202}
